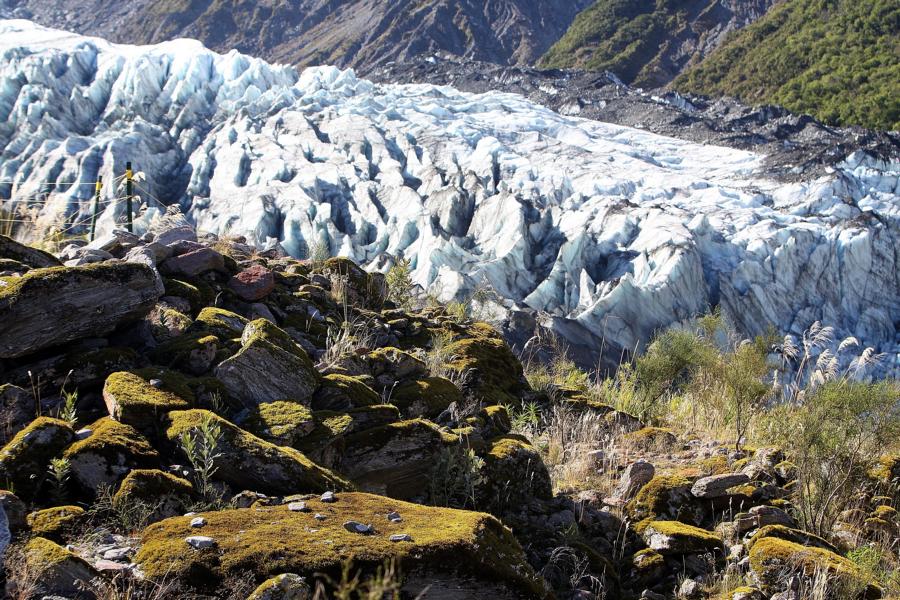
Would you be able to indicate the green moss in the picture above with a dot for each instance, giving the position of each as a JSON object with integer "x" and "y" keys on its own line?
{"x": 283, "y": 423}
{"x": 715, "y": 465}
{"x": 425, "y": 397}
{"x": 885, "y": 512}
{"x": 662, "y": 496}
{"x": 887, "y": 469}
{"x": 56, "y": 523}
{"x": 250, "y": 462}
{"x": 651, "y": 437}
{"x": 499, "y": 377}
{"x": 42, "y": 553}
{"x": 513, "y": 471}
{"x": 181, "y": 289}
{"x": 152, "y": 485}
{"x": 771, "y": 558}
{"x": 343, "y": 392}
{"x": 192, "y": 351}
{"x": 681, "y": 538}
{"x": 795, "y": 536}
{"x": 266, "y": 541}
{"x": 25, "y": 459}
{"x": 132, "y": 400}
{"x": 219, "y": 322}
{"x": 262, "y": 329}
{"x": 112, "y": 449}
{"x": 647, "y": 559}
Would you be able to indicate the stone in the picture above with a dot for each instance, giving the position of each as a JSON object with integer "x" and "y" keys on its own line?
{"x": 674, "y": 537}
{"x": 760, "y": 516}
{"x": 253, "y": 283}
{"x": 34, "y": 258}
{"x": 717, "y": 486}
{"x": 198, "y": 522}
{"x": 513, "y": 473}
{"x": 268, "y": 369}
{"x": 401, "y": 537}
{"x": 287, "y": 586}
{"x": 319, "y": 517}
{"x": 200, "y": 542}
{"x": 57, "y": 523}
{"x": 690, "y": 589}
{"x": 394, "y": 517}
{"x": 16, "y": 411}
{"x": 357, "y": 527}
{"x": 24, "y": 460}
{"x": 176, "y": 234}
{"x": 298, "y": 507}
{"x": 167, "y": 494}
{"x": 133, "y": 400}
{"x": 48, "y": 307}
{"x": 119, "y": 554}
{"x": 14, "y": 509}
{"x": 110, "y": 567}
{"x": 328, "y": 497}
{"x": 194, "y": 263}
{"x": 58, "y": 570}
{"x": 636, "y": 475}
{"x": 5, "y": 534}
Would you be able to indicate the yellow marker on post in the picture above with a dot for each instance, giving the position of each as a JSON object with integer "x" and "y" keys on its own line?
{"x": 97, "y": 188}
{"x": 128, "y": 191}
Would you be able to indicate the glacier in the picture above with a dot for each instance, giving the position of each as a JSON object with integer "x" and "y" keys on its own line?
{"x": 604, "y": 233}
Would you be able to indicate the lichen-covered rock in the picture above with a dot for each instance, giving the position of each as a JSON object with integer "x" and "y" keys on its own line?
{"x": 25, "y": 459}
{"x": 268, "y": 367}
{"x": 664, "y": 497}
{"x": 48, "y": 307}
{"x": 192, "y": 352}
{"x": 513, "y": 472}
{"x": 460, "y": 554}
{"x": 789, "y": 534}
{"x": 248, "y": 462}
{"x": 489, "y": 366}
{"x": 343, "y": 392}
{"x": 386, "y": 366}
{"x": 57, "y": 523}
{"x": 34, "y": 258}
{"x": 16, "y": 411}
{"x": 284, "y": 422}
{"x": 57, "y": 570}
{"x": 394, "y": 459}
{"x": 773, "y": 559}
{"x": 354, "y": 285}
{"x": 287, "y": 586}
{"x": 167, "y": 494}
{"x": 650, "y": 438}
{"x": 132, "y": 400}
{"x": 426, "y": 398}
{"x": 219, "y": 322}
{"x": 105, "y": 456}
{"x": 717, "y": 486}
{"x": 634, "y": 477}
{"x": 674, "y": 537}
{"x": 761, "y": 516}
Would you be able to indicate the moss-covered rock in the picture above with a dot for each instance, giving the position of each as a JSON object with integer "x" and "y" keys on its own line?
{"x": 192, "y": 352}
{"x": 57, "y": 570}
{"x": 343, "y": 392}
{"x": 248, "y": 462}
{"x": 105, "y": 456}
{"x": 425, "y": 397}
{"x": 16, "y": 411}
{"x": 131, "y": 399}
{"x": 33, "y": 257}
{"x": 48, "y": 307}
{"x": 489, "y": 366}
{"x": 513, "y": 472}
{"x": 269, "y": 367}
{"x": 14, "y": 509}
{"x": 357, "y": 287}
{"x": 790, "y": 534}
{"x": 461, "y": 554}
{"x": 219, "y": 322}
{"x": 284, "y": 423}
{"x": 25, "y": 459}
{"x": 165, "y": 493}
{"x": 773, "y": 559}
{"x": 182, "y": 289}
{"x": 287, "y": 586}
{"x": 57, "y": 523}
{"x": 675, "y": 537}
{"x": 493, "y": 421}
{"x": 649, "y": 438}
{"x": 664, "y": 497}
{"x": 646, "y": 567}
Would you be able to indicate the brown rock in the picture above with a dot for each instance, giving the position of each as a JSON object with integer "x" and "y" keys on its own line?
{"x": 253, "y": 283}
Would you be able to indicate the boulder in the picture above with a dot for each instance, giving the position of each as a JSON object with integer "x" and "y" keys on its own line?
{"x": 493, "y": 373}
{"x": 427, "y": 397}
{"x": 268, "y": 367}
{"x": 57, "y": 523}
{"x": 14, "y": 509}
{"x": 513, "y": 473}
{"x": 194, "y": 263}
{"x": 343, "y": 392}
{"x": 58, "y": 570}
{"x": 458, "y": 554}
{"x": 131, "y": 399}
{"x": 167, "y": 494}
{"x": 32, "y": 257}
{"x": 284, "y": 423}
{"x": 717, "y": 486}
{"x": 107, "y": 455}
{"x": 17, "y": 408}
{"x": 48, "y": 307}
{"x": 636, "y": 475}
{"x": 760, "y": 516}
{"x": 287, "y": 586}
{"x": 24, "y": 460}
{"x": 192, "y": 352}
{"x": 664, "y": 497}
{"x": 674, "y": 537}
{"x": 253, "y": 283}
{"x": 248, "y": 462}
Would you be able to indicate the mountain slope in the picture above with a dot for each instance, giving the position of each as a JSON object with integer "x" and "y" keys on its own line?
{"x": 648, "y": 42}
{"x": 357, "y": 33}
{"x": 607, "y": 233}
{"x": 836, "y": 59}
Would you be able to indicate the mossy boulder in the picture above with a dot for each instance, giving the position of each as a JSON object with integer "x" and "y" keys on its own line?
{"x": 647, "y": 567}
{"x": 649, "y": 438}
{"x": 385, "y": 366}
{"x": 357, "y": 287}
{"x": 513, "y": 472}
{"x": 49, "y": 307}
{"x": 57, "y": 523}
{"x": 675, "y": 537}
{"x": 790, "y": 534}
{"x": 187, "y": 291}
{"x": 219, "y": 322}
{"x": 192, "y": 352}
{"x": 58, "y": 571}
{"x": 326, "y": 443}
{"x": 343, "y": 392}
{"x": 426, "y": 398}
{"x": 460, "y": 554}
{"x": 664, "y": 497}
{"x": 287, "y": 586}
{"x": 131, "y": 399}
{"x": 248, "y": 462}
{"x": 487, "y": 364}
{"x": 105, "y": 456}
{"x": 284, "y": 422}
{"x": 773, "y": 559}
{"x": 167, "y": 494}
{"x": 33, "y": 257}
{"x": 25, "y": 459}
{"x": 493, "y": 421}
{"x": 268, "y": 367}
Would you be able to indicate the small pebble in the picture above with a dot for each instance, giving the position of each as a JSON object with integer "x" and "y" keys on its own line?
{"x": 200, "y": 542}
{"x": 298, "y": 507}
{"x": 328, "y": 497}
{"x": 357, "y": 527}
{"x": 118, "y": 554}
{"x": 320, "y": 517}
{"x": 401, "y": 537}
{"x": 198, "y": 522}
{"x": 157, "y": 383}
{"x": 394, "y": 517}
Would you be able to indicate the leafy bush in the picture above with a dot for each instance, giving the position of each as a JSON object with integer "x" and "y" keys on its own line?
{"x": 400, "y": 284}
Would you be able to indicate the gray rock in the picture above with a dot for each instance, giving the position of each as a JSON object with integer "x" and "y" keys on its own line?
{"x": 194, "y": 263}
{"x": 716, "y": 486}
{"x": 394, "y": 517}
{"x": 176, "y": 234}
{"x": 690, "y": 589}
{"x": 5, "y": 535}
{"x": 283, "y": 587}
{"x": 16, "y": 411}
{"x": 119, "y": 554}
{"x": 47, "y": 308}
{"x": 200, "y": 542}
{"x": 760, "y": 516}
{"x": 298, "y": 507}
{"x": 198, "y": 522}
{"x": 401, "y": 537}
{"x": 319, "y": 517}
{"x": 328, "y": 497}
{"x": 357, "y": 527}
{"x": 26, "y": 255}
{"x": 635, "y": 476}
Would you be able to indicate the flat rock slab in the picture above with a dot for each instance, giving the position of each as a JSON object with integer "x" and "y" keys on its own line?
{"x": 48, "y": 307}
{"x": 34, "y": 258}
{"x": 716, "y": 486}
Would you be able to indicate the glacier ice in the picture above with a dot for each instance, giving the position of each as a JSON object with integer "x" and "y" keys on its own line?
{"x": 611, "y": 233}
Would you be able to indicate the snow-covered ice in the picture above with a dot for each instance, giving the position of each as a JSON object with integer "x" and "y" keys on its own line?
{"x": 612, "y": 232}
